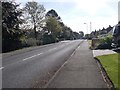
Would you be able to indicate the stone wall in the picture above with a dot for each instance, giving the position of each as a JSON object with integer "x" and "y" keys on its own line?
{"x": 95, "y": 42}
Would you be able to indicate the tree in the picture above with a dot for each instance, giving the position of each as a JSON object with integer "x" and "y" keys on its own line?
{"x": 34, "y": 16}
{"x": 67, "y": 33}
{"x": 10, "y": 26}
{"x": 77, "y": 35}
{"x": 54, "y": 14}
{"x": 52, "y": 29}
{"x": 81, "y": 34}
{"x": 87, "y": 36}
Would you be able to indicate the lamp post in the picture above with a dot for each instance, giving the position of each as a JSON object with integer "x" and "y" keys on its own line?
{"x": 90, "y": 27}
{"x": 86, "y": 27}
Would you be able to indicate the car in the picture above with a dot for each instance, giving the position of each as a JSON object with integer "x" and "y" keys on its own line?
{"x": 116, "y": 35}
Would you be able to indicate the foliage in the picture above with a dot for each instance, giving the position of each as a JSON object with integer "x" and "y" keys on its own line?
{"x": 53, "y": 13}
{"x": 107, "y": 40}
{"x": 76, "y": 35}
{"x": 27, "y": 39}
{"x": 34, "y": 16}
{"x": 52, "y": 29}
{"x": 30, "y": 26}
{"x": 47, "y": 39}
{"x": 87, "y": 36}
{"x": 105, "y": 43}
{"x": 10, "y": 26}
{"x": 81, "y": 34}
{"x": 31, "y": 42}
{"x": 66, "y": 32}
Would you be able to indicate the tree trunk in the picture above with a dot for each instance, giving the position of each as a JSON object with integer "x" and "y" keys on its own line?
{"x": 34, "y": 28}
{"x": 35, "y": 31}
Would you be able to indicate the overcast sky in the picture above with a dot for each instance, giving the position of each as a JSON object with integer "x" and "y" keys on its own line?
{"x": 74, "y": 13}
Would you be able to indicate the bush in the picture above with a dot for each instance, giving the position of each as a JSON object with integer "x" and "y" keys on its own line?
{"x": 105, "y": 43}
{"x": 47, "y": 39}
{"x": 30, "y": 42}
{"x": 107, "y": 40}
{"x": 10, "y": 45}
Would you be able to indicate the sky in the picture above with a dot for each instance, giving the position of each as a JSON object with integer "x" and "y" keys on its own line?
{"x": 78, "y": 14}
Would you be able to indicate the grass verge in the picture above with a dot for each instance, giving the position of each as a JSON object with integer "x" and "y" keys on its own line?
{"x": 110, "y": 64}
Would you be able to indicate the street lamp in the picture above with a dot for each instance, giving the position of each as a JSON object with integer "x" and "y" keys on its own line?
{"x": 86, "y": 27}
{"x": 90, "y": 27}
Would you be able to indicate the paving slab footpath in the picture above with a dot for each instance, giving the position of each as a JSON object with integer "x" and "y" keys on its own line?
{"x": 80, "y": 71}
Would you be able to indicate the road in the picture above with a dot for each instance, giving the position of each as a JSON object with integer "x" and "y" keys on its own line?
{"x": 34, "y": 68}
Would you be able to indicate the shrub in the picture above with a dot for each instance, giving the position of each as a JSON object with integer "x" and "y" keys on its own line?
{"x": 105, "y": 43}
{"x": 26, "y": 42}
{"x": 47, "y": 39}
{"x": 107, "y": 40}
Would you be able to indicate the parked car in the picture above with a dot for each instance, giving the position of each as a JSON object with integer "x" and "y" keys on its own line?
{"x": 116, "y": 35}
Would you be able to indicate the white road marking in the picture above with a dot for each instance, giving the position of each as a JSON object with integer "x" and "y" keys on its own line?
{"x": 51, "y": 49}
{"x": 37, "y": 54}
{"x": 1, "y": 68}
{"x": 54, "y": 48}
{"x": 32, "y": 56}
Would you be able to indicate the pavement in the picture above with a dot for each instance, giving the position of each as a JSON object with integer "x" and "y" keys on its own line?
{"x": 102, "y": 52}
{"x": 80, "y": 71}
{"x": 32, "y": 68}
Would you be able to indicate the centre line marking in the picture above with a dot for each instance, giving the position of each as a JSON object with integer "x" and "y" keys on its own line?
{"x": 1, "y": 68}
{"x": 52, "y": 49}
{"x": 32, "y": 56}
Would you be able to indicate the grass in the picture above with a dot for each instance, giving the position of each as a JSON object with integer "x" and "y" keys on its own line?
{"x": 110, "y": 64}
